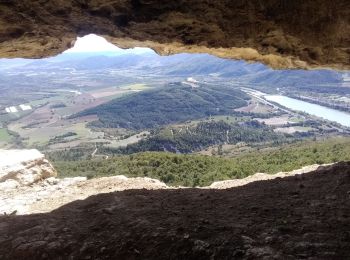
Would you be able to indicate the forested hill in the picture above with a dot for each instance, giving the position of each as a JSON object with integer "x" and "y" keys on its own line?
{"x": 201, "y": 136}
{"x": 170, "y": 104}
{"x": 198, "y": 170}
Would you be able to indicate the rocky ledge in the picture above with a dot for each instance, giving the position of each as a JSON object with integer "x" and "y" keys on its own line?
{"x": 23, "y": 167}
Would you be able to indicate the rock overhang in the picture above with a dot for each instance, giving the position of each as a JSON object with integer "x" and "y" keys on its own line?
{"x": 282, "y": 34}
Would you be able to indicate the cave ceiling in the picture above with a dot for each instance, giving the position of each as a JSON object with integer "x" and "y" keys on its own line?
{"x": 281, "y": 33}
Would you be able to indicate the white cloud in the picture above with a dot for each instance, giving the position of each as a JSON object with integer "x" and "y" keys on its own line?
{"x": 94, "y": 43}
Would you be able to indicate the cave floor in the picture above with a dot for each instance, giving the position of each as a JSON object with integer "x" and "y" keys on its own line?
{"x": 301, "y": 217}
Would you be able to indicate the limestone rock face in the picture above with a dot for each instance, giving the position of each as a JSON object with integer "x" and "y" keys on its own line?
{"x": 24, "y": 167}
{"x": 282, "y": 34}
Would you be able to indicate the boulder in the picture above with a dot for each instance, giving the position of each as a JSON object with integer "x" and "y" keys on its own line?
{"x": 24, "y": 166}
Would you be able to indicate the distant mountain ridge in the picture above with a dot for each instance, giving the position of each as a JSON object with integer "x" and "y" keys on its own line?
{"x": 179, "y": 65}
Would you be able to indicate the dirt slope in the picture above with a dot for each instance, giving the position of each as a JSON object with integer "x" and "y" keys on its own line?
{"x": 301, "y": 217}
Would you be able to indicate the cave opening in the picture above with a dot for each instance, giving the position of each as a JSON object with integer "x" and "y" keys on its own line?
{"x": 96, "y": 100}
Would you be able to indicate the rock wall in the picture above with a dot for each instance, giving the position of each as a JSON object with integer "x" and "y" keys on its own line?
{"x": 280, "y": 33}
{"x": 23, "y": 167}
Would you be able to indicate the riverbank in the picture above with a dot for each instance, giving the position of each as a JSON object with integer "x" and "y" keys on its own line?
{"x": 340, "y": 117}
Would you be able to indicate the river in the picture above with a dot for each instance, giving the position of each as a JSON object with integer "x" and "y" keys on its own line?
{"x": 340, "y": 117}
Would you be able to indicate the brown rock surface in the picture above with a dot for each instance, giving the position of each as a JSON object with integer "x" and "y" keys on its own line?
{"x": 283, "y": 34}
{"x": 300, "y": 217}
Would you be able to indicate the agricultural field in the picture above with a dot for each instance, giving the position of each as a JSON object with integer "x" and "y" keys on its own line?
{"x": 127, "y": 141}
{"x": 293, "y": 129}
{"x": 254, "y": 106}
{"x": 41, "y": 134}
{"x": 4, "y": 135}
{"x": 278, "y": 121}
{"x": 48, "y": 125}
{"x": 5, "y": 139}
{"x": 136, "y": 87}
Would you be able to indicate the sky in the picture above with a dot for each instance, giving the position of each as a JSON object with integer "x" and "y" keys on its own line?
{"x": 94, "y": 43}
